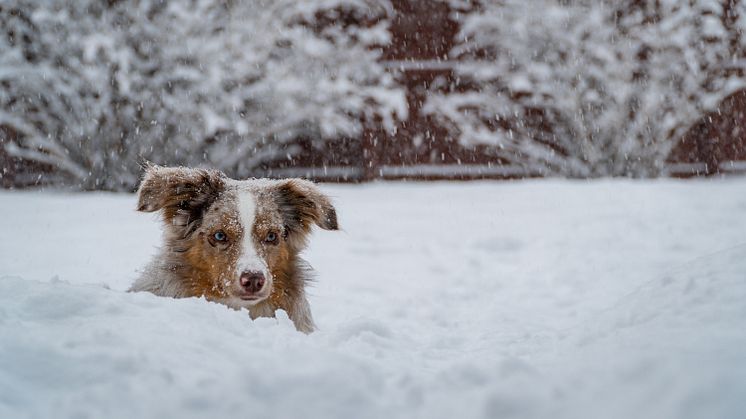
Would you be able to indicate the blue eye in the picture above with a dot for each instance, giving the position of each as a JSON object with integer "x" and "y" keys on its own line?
{"x": 271, "y": 237}
{"x": 220, "y": 236}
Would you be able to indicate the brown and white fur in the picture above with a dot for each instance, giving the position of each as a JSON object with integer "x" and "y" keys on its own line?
{"x": 233, "y": 241}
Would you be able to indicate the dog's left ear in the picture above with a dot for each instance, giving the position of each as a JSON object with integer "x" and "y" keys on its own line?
{"x": 302, "y": 203}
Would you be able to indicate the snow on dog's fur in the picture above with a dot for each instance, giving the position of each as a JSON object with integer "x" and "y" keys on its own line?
{"x": 233, "y": 241}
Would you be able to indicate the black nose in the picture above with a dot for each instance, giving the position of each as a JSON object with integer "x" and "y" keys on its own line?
{"x": 252, "y": 281}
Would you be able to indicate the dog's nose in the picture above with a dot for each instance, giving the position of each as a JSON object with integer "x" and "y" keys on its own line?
{"x": 252, "y": 281}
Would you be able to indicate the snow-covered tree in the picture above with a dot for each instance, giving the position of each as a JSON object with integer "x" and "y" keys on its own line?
{"x": 92, "y": 88}
{"x": 590, "y": 88}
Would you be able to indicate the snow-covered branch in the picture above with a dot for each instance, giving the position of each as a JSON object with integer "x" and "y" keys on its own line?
{"x": 92, "y": 88}
{"x": 590, "y": 88}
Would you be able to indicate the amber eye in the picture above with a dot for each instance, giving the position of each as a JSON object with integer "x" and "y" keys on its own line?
{"x": 271, "y": 237}
{"x": 220, "y": 236}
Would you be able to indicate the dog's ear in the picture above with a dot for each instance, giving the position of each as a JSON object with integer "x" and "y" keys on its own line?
{"x": 302, "y": 203}
{"x": 180, "y": 192}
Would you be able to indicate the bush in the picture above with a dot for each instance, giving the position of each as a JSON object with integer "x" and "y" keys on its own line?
{"x": 590, "y": 88}
{"x": 92, "y": 88}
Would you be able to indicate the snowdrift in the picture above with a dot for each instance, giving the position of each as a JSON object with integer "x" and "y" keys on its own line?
{"x": 532, "y": 316}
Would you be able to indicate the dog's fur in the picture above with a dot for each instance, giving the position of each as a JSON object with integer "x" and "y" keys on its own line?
{"x": 196, "y": 204}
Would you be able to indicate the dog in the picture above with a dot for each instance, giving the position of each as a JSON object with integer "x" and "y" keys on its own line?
{"x": 236, "y": 242}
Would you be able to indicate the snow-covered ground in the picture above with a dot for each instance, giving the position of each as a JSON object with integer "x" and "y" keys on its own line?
{"x": 532, "y": 299}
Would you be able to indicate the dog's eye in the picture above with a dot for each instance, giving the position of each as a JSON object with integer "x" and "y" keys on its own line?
{"x": 220, "y": 236}
{"x": 271, "y": 237}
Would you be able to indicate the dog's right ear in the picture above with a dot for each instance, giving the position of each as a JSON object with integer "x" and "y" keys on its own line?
{"x": 181, "y": 193}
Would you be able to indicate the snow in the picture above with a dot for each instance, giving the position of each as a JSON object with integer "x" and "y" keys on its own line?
{"x": 587, "y": 88}
{"x": 527, "y": 299}
{"x": 94, "y": 88}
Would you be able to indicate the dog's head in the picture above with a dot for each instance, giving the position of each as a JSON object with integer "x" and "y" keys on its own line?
{"x": 235, "y": 237}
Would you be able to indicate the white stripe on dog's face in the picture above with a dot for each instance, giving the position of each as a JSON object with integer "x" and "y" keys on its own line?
{"x": 249, "y": 259}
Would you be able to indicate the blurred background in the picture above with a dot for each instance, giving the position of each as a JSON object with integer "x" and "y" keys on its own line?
{"x": 356, "y": 90}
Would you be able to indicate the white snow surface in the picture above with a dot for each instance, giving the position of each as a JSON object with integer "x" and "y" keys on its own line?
{"x": 530, "y": 299}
